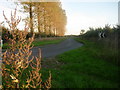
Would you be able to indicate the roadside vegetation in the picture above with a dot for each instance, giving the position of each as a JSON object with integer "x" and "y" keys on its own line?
{"x": 47, "y": 42}
{"x": 41, "y": 42}
{"x": 18, "y": 69}
{"x": 109, "y": 45}
{"x": 94, "y": 65}
{"x": 43, "y": 18}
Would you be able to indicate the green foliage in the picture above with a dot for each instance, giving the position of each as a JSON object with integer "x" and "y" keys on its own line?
{"x": 109, "y": 45}
{"x": 109, "y": 32}
{"x": 46, "y": 42}
{"x": 83, "y": 68}
{"x": 39, "y": 42}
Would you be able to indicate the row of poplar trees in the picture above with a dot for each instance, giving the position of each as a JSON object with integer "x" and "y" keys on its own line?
{"x": 46, "y": 18}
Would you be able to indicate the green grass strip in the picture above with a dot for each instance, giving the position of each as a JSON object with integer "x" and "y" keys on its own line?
{"x": 39, "y": 43}
{"x": 83, "y": 68}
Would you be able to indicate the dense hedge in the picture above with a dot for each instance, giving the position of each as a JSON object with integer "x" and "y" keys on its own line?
{"x": 109, "y": 32}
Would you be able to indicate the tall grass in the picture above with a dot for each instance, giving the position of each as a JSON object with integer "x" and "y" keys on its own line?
{"x": 108, "y": 46}
{"x": 94, "y": 65}
{"x": 83, "y": 68}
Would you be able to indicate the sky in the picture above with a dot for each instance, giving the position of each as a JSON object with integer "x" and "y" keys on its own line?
{"x": 85, "y": 14}
{"x": 8, "y": 7}
{"x": 81, "y": 14}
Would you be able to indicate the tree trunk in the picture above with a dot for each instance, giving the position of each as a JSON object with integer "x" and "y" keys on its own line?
{"x": 38, "y": 16}
{"x": 31, "y": 19}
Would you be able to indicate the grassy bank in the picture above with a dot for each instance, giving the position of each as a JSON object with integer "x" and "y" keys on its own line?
{"x": 41, "y": 42}
{"x": 82, "y": 68}
{"x": 47, "y": 41}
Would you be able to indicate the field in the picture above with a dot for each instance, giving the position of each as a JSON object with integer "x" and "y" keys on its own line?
{"x": 83, "y": 68}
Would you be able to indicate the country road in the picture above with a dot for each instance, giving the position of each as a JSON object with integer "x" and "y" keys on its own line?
{"x": 56, "y": 49}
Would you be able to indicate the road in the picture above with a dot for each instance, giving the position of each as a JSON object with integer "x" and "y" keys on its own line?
{"x": 56, "y": 49}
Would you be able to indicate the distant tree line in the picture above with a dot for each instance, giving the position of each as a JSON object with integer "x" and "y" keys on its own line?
{"x": 45, "y": 18}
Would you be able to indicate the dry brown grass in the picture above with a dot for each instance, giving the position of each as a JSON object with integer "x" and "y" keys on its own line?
{"x": 18, "y": 69}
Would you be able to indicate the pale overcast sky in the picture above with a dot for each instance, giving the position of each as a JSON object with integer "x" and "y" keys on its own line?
{"x": 81, "y": 14}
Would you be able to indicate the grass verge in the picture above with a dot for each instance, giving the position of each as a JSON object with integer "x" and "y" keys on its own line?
{"x": 40, "y": 43}
{"x": 46, "y": 42}
{"x": 82, "y": 68}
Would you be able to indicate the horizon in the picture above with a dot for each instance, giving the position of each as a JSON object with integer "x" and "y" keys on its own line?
{"x": 91, "y": 14}
{"x": 80, "y": 14}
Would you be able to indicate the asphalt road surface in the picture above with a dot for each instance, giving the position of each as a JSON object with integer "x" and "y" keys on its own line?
{"x": 56, "y": 49}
